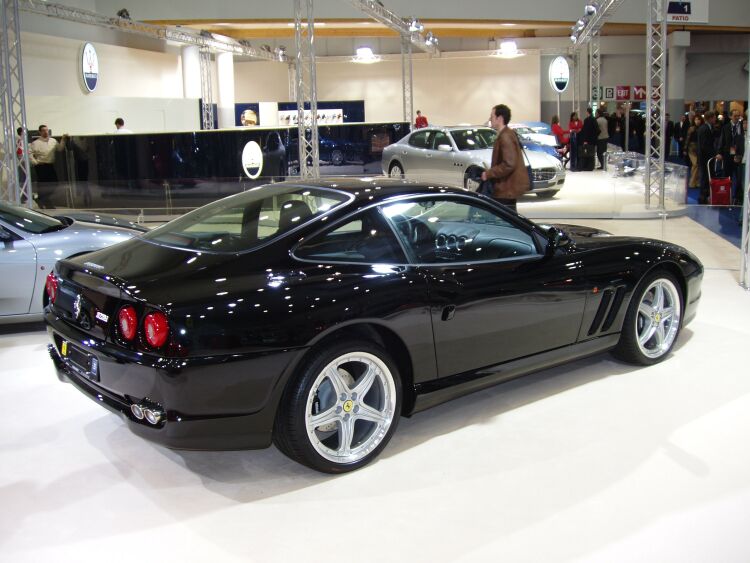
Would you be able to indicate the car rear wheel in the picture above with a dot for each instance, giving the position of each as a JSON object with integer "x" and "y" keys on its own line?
{"x": 337, "y": 158}
{"x": 396, "y": 170}
{"x": 652, "y": 322}
{"x": 341, "y": 410}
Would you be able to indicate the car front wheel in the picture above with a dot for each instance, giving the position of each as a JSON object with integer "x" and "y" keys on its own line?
{"x": 652, "y": 322}
{"x": 342, "y": 409}
{"x": 396, "y": 170}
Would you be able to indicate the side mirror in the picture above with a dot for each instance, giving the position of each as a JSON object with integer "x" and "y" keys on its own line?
{"x": 445, "y": 148}
{"x": 555, "y": 239}
{"x": 6, "y": 236}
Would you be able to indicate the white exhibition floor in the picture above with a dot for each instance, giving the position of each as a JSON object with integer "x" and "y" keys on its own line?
{"x": 594, "y": 461}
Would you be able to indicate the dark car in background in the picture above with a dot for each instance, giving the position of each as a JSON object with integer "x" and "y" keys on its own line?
{"x": 315, "y": 313}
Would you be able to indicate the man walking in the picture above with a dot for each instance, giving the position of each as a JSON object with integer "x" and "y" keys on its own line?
{"x": 732, "y": 148}
{"x": 706, "y": 152}
{"x": 603, "y": 139}
{"x": 507, "y": 170}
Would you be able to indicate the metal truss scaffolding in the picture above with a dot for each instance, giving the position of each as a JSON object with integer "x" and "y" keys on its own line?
{"x": 15, "y": 179}
{"x": 406, "y": 79}
{"x": 207, "y": 98}
{"x": 744, "y": 185}
{"x": 182, "y": 35}
{"x": 656, "y": 70}
{"x": 576, "y": 78}
{"x": 307, "y": 126}
{"x": 594, "y": 71}
{"x": 378, "y": 12}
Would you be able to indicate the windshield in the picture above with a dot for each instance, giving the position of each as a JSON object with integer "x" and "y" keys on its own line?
{"x": 524, "y": 130}
{"x": 28, "y": 220}
{"x": 247, "y": 220}
{"x": 474, "y": 139}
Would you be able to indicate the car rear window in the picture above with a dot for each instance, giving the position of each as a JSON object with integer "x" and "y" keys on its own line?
{"x": 28, "y": 220}
{"x": 247, "y": 220}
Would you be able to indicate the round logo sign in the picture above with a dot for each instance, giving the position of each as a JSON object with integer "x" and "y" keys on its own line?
{"x": 89, "y": 67}
{"x": 559, "y": 74}
{"x": 252, "y": 160}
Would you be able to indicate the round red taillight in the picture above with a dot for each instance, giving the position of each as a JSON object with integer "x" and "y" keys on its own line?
{"x": 156, "y": 329}
{"x": 127, "y": 322}
{"x": 51, "y": 286}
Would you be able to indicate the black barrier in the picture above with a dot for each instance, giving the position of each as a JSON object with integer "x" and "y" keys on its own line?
{"x": 184, "y": 170}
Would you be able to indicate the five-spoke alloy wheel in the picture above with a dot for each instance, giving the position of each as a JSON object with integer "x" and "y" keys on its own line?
{"x": 653, "y": 320}
{"x": 343, "y": 409}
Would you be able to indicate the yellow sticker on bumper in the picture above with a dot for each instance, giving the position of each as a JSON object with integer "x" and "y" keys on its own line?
{"x": 64, "y": 348}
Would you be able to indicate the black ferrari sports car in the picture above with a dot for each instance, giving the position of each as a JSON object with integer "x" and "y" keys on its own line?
{"x": 313, "y": 314}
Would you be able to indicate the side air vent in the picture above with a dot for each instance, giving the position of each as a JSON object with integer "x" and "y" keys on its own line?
{"x": 614, "y": 309}
{"x": 603, "y": 306}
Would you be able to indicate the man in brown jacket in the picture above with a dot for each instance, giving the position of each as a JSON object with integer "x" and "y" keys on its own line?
{"x": 507, "y": 170}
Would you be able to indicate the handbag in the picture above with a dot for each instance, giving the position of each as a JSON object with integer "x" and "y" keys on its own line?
{"x": 587, "y": 151}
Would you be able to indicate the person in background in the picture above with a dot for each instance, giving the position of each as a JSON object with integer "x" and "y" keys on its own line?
{"x": 732, "y": 148}
{"x": 120, "y": 126}
{"x": 669, "y": 134}
{"x": 706, "y": 151}
{"x": 574, "y": 127}
{"x": 603, "y": 139}
{"x": 681, "y": 133}
{"x": 507, "y": 169}
{"x": 560, "y": 134}
{"x": 42, "y": 154}
{"x": 421, "y": 121}
{"x": 588, "y": 137}
{"x": 616, "y": 128}
{"x": 692, "y": 151}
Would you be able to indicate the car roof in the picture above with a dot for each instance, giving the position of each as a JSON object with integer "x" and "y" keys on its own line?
{"x": 451, "y": 128}
{"x": 374, "y": 188}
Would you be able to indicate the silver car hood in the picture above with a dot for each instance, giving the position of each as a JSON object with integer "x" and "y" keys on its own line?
{"x": 536, "y": 159}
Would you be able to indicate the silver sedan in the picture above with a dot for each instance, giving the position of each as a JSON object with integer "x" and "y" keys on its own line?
{"x": 458, "y": 155}
{"x": 30, "y": 244}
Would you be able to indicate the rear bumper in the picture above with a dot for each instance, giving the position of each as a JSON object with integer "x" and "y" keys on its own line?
{"x": 227, "y": 404}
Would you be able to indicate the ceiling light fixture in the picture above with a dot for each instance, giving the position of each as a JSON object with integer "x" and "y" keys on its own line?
{"x": 365, "y": 56}
{"x": 508, "y": 50}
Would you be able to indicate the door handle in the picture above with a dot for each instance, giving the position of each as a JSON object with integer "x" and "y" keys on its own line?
{"x": 448, "y": 312}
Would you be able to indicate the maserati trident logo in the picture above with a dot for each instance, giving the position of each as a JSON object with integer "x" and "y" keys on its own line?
{"x": 77, "y": 307}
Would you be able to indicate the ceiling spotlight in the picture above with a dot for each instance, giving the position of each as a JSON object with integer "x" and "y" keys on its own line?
{"x": 430, "y": 39}
{"x": 280, "y": 52}
{"x": 591, "y": 8}
{"x": 365, "y": 56}
{"x": 574, "y": 38}
{"x": 508, "y": 50}
{"x": 415, "y": 26}
{"x": 580, "y": 24}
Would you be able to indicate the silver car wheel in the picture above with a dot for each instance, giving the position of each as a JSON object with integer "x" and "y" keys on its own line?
{"x": 350, "y": 407}
{"x": 658, "y": 318}
{"x": 396, "y": 171}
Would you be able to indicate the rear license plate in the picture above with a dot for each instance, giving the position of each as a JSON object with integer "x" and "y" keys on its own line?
{"x": 80, "y": 361}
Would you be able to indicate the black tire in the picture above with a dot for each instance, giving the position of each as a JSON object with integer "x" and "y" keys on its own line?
{"x": 628, "y": 348}
{"x": 396, "y": 165}
{"x": 291, "y": 431}
{"x": 546, "y": 195}
{"x": 337, "y": 158}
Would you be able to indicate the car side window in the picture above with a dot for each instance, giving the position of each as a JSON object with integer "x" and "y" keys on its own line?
{"x": 440, "y": 231}
{"x": 419, "y": 139}
{"x": 440, "y": 138}
{"x": 365, "y": 239}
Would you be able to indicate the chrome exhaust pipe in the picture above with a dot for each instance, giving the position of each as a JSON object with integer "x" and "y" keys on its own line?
{"x": 153, "y": 415}
{"x": 137, "y": 411}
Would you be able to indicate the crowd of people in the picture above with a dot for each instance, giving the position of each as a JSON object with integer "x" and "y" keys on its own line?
{"x": 699, "y": 141}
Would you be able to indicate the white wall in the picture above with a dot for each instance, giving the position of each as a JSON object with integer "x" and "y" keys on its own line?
{"x": 143, "y": 87}
{"x": 78, "y": 115}
{"x": 448, "y": 91}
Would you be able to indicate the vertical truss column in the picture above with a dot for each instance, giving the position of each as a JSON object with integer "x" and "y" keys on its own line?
{"x": 13, "y": 108}
{"x": 207, "y": 97}
{"x": 744, "y": 185}
{"x": 656, "y": 72}
{"x": 576, "y": 85}
{"x": 307, "y": 129}
{"x": 594, "y": 71}
{"x": 407, "y": 78}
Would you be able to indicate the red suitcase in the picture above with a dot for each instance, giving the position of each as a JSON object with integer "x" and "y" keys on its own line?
{"x": 721, "y": 188}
